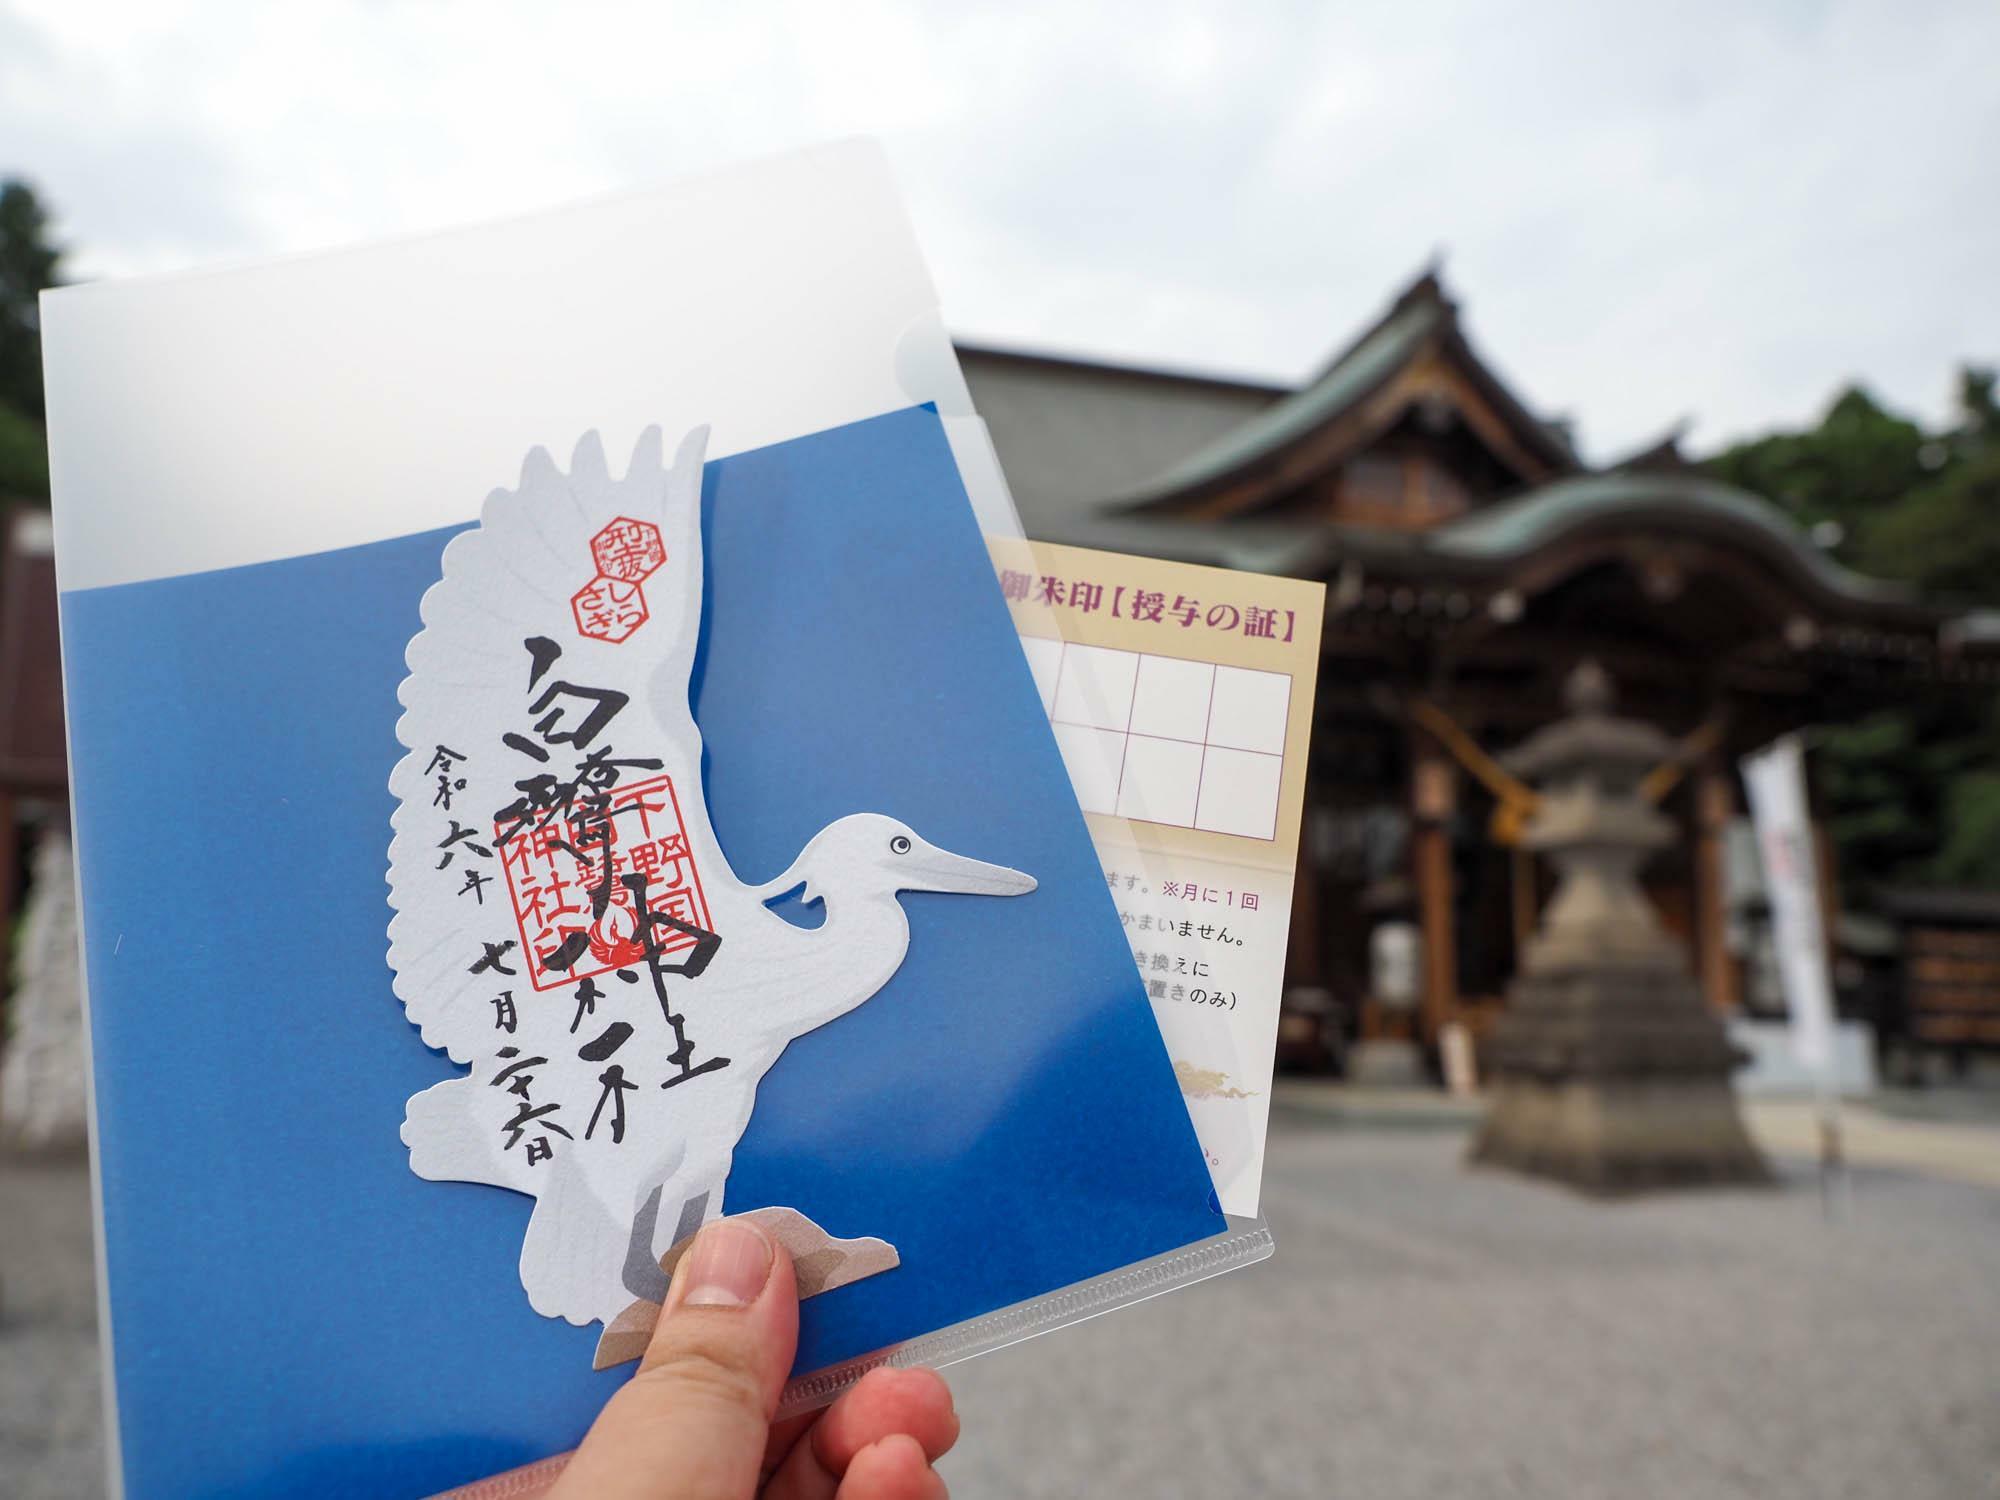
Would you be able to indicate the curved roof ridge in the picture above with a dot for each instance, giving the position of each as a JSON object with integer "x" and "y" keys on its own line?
{"x": 1095, "y": 364}
{"x": 1421, "y": 312}
{"x": 1536, "y": 516}
{"x": 1353, "y": 373}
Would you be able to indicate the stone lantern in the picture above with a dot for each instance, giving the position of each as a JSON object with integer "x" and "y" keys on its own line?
{"x": 1610, "y": 1071}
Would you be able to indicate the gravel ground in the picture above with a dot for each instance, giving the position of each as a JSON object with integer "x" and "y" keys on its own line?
{"x": 1427, "y": 1332}
{"x": 1422, "y": 1332}
{"x": 50, "y": 1422}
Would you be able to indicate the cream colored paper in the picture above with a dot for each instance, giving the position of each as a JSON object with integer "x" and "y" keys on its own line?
{"x": 1181, "y": 697}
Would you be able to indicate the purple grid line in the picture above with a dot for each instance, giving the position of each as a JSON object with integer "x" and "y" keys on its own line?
{"x": 1055, "y": 688}
{"x": 1125, "y": 749}
{"x": 1127, "y": 735}
{"x": 1206, "y": 725}
{"x": 1171, "y": 739}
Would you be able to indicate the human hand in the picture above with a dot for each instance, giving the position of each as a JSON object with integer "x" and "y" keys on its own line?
{"x": 695, "y": 1422}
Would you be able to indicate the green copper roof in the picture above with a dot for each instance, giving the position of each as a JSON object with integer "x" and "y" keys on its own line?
{"x": 1423, "y": 313}
{"x": 1373, "y": 360}
{"x": 1528, "y": 521}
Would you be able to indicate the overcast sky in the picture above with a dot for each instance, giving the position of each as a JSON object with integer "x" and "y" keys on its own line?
{"x": 1648, "y": 211}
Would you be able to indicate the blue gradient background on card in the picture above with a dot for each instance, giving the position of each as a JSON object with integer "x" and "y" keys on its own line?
{"x": 293, "y": 1311}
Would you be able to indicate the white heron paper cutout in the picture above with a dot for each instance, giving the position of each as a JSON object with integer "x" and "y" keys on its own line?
{"x": 565, "y": 922}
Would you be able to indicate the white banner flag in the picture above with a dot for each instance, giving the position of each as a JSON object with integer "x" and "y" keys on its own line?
{"x": 1775, "y": 779}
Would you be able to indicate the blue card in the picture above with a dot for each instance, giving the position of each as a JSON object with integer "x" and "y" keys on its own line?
{"x": 292, "y": 1310}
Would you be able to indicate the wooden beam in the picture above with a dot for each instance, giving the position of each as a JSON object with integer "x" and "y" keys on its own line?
{"x": 1433, "y": 374}
{"x": 1826, "y": 866}
{"x": 1525, "y": 895}
{"x": 1305, "y": 962}
{"x": 10, "y": 856}
{"x": 1433, "y": 798}
{"x": 1714, "y": 807}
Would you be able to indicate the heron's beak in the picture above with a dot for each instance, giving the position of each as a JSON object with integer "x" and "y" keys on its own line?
{"x": 929, "y": 868}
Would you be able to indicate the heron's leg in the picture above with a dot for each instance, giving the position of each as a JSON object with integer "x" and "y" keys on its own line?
{"x": 643, "y": 1277}
{"x": 666, "y": 1198}
{"x": 573, "y": 1254}
{"x": 694, "y": 1210}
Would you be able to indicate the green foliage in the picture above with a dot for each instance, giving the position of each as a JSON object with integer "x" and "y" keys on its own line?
{"x": 24, "y": 457}
{"x": 1970, "y": 853}
{"x": 28, "y": 266}
{"x": 1859, "y": 459}
{"x": 1895, "y": 787}
{"x": 1912, "y": 793}
{"x": 1944, "y": 535}
{"x": 1980, "y": 422}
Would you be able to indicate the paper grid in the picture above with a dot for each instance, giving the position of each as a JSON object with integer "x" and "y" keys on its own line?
{"x": 1163, "y": 740}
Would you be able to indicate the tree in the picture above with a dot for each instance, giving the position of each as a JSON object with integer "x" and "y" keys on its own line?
{"x": 1911, "y": 793}
{"x": 28, "y": 266}
{"x": 1944, "y": 532}
{"x": 1906, "y": 793}
{"x": 1859, "y": 459}
{"x": 1944, "y": 535}
{"x": 24, "y": 457}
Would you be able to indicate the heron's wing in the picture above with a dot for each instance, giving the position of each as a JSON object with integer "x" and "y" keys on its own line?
{"x": 547, "y": 695}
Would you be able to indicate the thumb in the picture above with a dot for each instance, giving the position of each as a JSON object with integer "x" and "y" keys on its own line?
{"x": 692, "y": 1424}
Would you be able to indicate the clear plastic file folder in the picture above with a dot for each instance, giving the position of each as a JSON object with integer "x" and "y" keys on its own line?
{"x": 270, "y": 542}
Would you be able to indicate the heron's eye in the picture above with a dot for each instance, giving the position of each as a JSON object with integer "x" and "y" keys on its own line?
{"x": 899, "y": 844}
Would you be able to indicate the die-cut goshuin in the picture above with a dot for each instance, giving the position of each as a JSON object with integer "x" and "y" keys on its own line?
{"x": 566, "y": 924}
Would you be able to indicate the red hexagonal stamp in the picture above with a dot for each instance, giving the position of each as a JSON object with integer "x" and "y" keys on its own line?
{"x": 608, "y": 609}
{"x": 628, "y": 550}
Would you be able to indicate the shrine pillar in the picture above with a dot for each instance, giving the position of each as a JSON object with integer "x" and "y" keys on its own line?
{"x": 1433, "y": 801}
{"x": 1714, "y": 810}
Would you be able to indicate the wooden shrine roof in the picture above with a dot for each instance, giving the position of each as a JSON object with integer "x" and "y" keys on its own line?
{"x": 1416, "y": 354}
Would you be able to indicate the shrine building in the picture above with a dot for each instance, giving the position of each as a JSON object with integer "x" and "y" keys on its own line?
{"x": 1472, "y": 559}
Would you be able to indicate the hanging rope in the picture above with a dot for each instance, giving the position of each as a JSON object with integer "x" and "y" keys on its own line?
{"x": 1664, "y": 777}
{"x": 1515, "y": 801}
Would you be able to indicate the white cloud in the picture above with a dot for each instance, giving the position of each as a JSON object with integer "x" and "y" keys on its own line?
{"x": 1704, "y": 209}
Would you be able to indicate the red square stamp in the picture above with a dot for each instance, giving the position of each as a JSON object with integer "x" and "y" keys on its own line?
{"x": 553, "y": 871}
